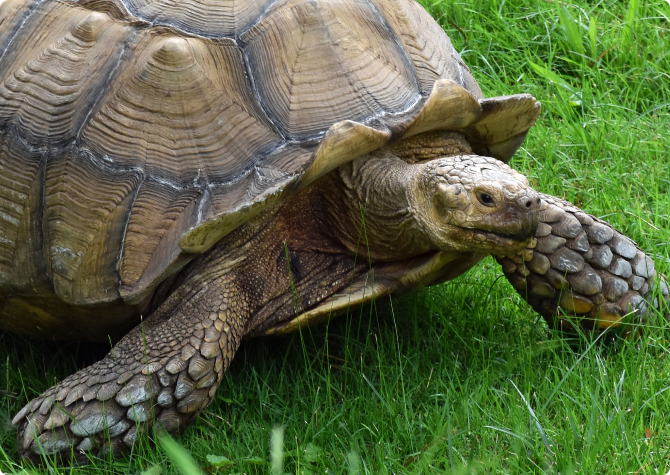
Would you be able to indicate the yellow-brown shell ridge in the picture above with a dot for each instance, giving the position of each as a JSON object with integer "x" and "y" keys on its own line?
{"x": 135, "y": 133}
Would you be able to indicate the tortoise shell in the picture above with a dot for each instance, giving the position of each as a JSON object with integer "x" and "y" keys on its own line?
{"x": 135, "y": 134}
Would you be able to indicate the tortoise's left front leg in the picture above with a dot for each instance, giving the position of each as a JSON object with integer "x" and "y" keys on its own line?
{"x": 581, "y": 271}
{"x": 162, "y": 374}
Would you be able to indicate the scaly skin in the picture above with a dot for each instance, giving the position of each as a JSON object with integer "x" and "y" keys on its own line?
{"x": 582, "y": 273}
{"x": 166, "y": 370}
{"x": 162, "y": 373}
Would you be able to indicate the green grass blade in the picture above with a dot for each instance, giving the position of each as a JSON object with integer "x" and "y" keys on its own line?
{"x": 277, "y": 451}
{"x": 571, "y": 28}
{"x": 628, "y": 25}
{"x": 550, "y": 75}
{"x": 593, "y": 36}
{"x": 179, "y": 456}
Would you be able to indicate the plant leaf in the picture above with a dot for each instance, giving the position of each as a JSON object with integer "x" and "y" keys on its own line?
{"x": 179, "y": 457}
{"x": 219, "y": 460}
{"x": 312, "y": 452}
{"x": 571, "y": 28}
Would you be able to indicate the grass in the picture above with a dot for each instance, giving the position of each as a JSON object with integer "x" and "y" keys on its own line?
{"x": 463, "y": 377}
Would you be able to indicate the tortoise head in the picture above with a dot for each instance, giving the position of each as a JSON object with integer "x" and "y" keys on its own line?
{"x": 460, "y": 203}
{"x": 467, "y": 203}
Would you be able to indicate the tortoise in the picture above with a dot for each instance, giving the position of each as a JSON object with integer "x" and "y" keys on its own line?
{"x": 181, "y": 176}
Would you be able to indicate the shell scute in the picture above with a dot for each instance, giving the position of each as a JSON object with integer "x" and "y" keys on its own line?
{"x": 159, "y": 216}
{"x": 428, "y": 46}
{"x": 210, "y": 18}
{"x": 318, "y": 63}
{"x": 85, "y": 210}
{"x": 172, "y": 116}
{"x": 19, "y": 201}
{"x": 51, "y": 79}
{"x": 449, "y": 107}
{"x": 503, "y": 125}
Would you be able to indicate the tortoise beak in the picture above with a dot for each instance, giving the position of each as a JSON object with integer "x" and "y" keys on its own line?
{"x": 517, "y": 218}
{"x": 526, "y": 213}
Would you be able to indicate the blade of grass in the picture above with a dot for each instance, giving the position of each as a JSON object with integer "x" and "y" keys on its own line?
{"x": 179, "y": 456}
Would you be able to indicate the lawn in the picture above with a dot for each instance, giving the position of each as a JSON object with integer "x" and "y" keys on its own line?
{"x": 464, "y": 377}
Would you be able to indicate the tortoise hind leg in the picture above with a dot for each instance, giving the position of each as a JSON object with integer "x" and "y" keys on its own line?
{"x": 582, "y": 272}
{"x": 160, "y": 376}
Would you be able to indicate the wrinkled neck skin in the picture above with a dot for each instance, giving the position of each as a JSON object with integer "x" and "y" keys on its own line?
{"x": 369, "y": 210}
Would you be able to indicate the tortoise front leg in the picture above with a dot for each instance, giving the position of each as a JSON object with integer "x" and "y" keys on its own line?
{"x": 161, "y": 375}
{"x": 582, "y": 272}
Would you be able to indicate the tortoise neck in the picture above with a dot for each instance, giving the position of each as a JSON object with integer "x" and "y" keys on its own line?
{"x": 369, "y": 209}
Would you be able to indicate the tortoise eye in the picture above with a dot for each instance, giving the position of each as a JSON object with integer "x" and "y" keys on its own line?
{"x": 486, "y": 199}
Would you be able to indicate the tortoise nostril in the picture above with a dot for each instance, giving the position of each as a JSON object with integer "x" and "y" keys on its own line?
{"x": 530, "y": 203}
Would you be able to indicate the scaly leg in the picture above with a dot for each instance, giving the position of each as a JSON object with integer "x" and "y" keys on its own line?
{"x": 581, "y": 271}
{"x": 160, "y": 375}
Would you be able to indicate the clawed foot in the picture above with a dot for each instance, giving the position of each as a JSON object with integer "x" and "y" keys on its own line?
{"x": 157, "y": 378}
{"x": 581, "y": 272}
{"x": 102, "y": 409}
{"x": 85, "y": 412}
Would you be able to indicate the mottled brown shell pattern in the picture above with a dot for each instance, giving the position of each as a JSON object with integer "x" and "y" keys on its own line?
{"x": 125, "y": 125}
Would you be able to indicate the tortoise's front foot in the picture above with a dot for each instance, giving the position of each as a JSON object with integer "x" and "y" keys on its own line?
{"x": 102, "y": 409}
{"x": 149, "y": 381}
{"x": 581, "y": 272}
{"x": 84, "y": 412}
